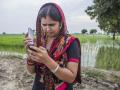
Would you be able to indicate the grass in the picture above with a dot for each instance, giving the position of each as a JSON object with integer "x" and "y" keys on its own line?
{"x": 93, "y": 38}
{"x": 94, "y": 74}
{"x": 108, "y": 58}
{"x": 12, "y": 43}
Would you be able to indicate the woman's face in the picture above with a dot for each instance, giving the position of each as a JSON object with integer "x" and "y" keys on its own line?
{"x": 50, "y": 26}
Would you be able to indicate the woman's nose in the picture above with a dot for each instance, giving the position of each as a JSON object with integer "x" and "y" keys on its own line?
{"x": 48, "y": 28}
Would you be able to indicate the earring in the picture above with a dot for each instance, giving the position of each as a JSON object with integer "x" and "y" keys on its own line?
{"x": 60, "y": 26}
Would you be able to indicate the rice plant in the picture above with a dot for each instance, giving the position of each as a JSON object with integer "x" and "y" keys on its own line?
{"x": 13, "y": 43}
{"x": 108, "y": 58}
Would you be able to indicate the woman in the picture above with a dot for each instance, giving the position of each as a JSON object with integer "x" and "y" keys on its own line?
{"x": 55, "y": 59}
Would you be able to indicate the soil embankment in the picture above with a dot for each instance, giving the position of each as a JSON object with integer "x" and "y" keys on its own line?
{"x": 14, "y": 76}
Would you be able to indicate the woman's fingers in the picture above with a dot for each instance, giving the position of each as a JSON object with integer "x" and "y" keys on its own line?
{"x": 34, "y": 56}
{"x": 36, "y": 49}
{"x": 35, "y": 42}
{"x": 26, "y": 35}
{"x": 27, "y": 41}
{"x": 31, "y": 52}
{"x": 42, "y": 48}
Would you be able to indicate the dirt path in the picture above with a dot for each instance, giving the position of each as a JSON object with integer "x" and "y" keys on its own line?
{"x": 14, "y": 76}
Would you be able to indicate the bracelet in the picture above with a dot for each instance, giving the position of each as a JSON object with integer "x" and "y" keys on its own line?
{"x": 29, "y": 62}
{"x": 55, "y": 70}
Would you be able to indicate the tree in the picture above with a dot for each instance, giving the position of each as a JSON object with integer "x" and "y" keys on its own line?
{"x": 107, "y": 14}
{"x": 93, "y": 31}
{"x": 83, "y": 31}
{"x": 23, "y": 33}
{"x": 4, "y": 33}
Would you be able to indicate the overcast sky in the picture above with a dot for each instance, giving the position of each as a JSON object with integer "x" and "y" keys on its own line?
{"x": 17, "y": 15}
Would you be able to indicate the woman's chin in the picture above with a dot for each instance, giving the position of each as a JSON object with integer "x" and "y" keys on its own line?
{"x": 51, "y": 35}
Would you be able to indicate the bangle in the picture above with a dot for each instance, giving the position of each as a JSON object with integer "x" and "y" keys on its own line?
{"x": 55, "y": 70}
{"x": 29, "y": 62}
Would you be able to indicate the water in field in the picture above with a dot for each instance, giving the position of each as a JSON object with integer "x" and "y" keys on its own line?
{"x": 101, "y": 55}
{"x": 88, "y": 54}
{"x": 93, "y": 55}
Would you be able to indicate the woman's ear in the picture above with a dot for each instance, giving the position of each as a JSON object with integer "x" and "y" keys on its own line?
{"x": 60, "y": 26}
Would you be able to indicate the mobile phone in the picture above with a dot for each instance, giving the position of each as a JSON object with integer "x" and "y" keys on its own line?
{"x": 31, "y": 36}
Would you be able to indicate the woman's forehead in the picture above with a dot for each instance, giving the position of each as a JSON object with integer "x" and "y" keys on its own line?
{"x": 47, "y": 19}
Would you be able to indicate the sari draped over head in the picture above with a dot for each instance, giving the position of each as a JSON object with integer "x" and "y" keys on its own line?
{"x": 40, "y": 34}
{"x": 59, "y": 46}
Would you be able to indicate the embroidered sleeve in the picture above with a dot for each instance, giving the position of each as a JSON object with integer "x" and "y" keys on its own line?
{"x": 73, "y": 52}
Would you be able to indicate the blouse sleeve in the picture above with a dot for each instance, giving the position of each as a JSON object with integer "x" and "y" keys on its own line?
{"x": 73, "y": 52}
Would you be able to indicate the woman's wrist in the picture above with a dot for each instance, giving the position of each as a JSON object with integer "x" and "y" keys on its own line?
{"x": 52, "y": 65}
{"x": 30, "y": 62}
{"x": 56, "y": 69}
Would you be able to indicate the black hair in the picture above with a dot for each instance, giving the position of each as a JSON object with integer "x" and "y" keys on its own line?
{"x": 53, "y": 11}
{"x": 49, "y": 9}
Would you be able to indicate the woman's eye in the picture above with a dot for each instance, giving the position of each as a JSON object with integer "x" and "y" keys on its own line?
{"x": 48, "y": 25}
{"x": 44, "y": 24}
{"x": 51, "y": 24}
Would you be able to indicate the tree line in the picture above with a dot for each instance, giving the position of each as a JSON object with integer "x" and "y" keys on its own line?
{"x": 92, "y": 31}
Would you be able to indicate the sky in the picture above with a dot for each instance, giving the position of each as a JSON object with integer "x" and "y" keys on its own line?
{"x": 17, "y": 15}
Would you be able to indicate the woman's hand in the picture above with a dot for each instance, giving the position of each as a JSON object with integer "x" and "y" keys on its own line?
{"x": 27, "y": 41}
{"x": 39, "y": 55}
